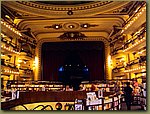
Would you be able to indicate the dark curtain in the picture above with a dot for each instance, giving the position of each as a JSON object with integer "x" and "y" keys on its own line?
{"x": 53, "y": 60}
{"x": 95, "y": 62}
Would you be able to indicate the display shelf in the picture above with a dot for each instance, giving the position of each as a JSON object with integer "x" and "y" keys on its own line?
{"x": 36, "y": 86}
{"x": 111, "y": 102}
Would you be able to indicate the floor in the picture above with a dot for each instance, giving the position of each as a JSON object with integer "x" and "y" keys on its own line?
{"x": 133, "y": 107}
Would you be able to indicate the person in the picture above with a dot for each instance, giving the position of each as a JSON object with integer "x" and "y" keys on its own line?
{"x": 117, "y": 88}
{"x": 68, "y": 88}
{"x": 93, "y": 88}
{"x": 2, "y": 86}
{"x": 128, "y": 95}
{"x": 137, "y": 90}
{"x": 82, "y": 87}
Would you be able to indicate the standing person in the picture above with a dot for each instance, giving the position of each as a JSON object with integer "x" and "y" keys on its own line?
{"x": 128, "y": 95}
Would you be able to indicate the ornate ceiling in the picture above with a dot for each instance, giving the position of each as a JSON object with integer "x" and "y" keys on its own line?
{"x": 63, "y": 2}
{"x": 53, "y": 19}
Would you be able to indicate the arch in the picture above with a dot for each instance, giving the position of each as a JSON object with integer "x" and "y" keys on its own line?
{"x": 96, "y": 38}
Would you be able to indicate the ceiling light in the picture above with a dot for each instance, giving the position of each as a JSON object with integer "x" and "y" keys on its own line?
{"x": 56, "y": 26}
{"x": 85, "y": 25}
{"x": 71, "y": 26}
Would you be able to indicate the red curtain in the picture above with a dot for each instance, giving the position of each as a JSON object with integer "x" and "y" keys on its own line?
{"x": 95, "y": 62}
{"x": 53, "y": 60}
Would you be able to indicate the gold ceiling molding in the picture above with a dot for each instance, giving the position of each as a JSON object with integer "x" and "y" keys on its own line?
{"x": 39, "y": 48}
{"x": 53, "y": 36}
{"x": 72, "y": 35}
{"x": 64, "y": 7}
{"x": 70, "y": 26}
{"x": 58, "y": 11}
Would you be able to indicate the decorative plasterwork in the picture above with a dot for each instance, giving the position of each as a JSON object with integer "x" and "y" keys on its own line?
{"x": 54, "y": 26}
{"x": 72, "y": 36}
{"x": 46, "y": 26}
{"x": 71, "y": 26}
{"x": 54, "y": 35}
{"x": 39, "y": 48}
{"x": 123, "y": 10}
{"x": 89, "y": 9}
{"x": 65, "y": 8}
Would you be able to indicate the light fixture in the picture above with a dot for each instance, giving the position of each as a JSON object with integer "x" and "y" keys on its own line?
{"x": 54, "y": 26}
{"x": 57, "y": 26}
{"x": 19, "y": 60}
{"x": 70, "y": 12}
{"x": 3, "y": 35}
{"x": 8, "y": 49}
{"x": 85, "y": 25}
{"x": 138, "y": 42}
{"x": 71, "y": 26}
{"x": 134, "y": 69}
{"x": 11, "y": 28}
{"x": 7, "y": 16}
{"x": 138, "y": 13}
{"x": 11, "y": 72}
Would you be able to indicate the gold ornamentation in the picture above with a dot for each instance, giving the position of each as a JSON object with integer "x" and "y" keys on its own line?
{"x": 39, "y": 47}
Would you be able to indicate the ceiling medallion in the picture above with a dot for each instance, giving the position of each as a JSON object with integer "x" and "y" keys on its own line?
{"x": 70, "y": 12}
{"x": 72, "y": 36}
{"x": 71, "y": 25}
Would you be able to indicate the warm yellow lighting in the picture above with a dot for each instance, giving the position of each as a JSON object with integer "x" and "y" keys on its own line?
{"x": 143, "y": 70}
{"x": 134, "y": 18}
{"x": 122, "y": 31}
{"x": 18, "y": 65}
{"x": 140, "y": 52}
{"x": 134, "y": 44}
{"x": 19, "y": 60}
{"x": 4, "y": 47}
{"x": 134, "y": 69}
{"x": 3, "y": 35}
{"x": 7, "y": 16}
{"x": 137, "y": 9}
{"x": 2, "y": 55}
{"x": 36, "y": 61}
{"x": 109, "y": 60}
{"x": 11, "y": 28}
